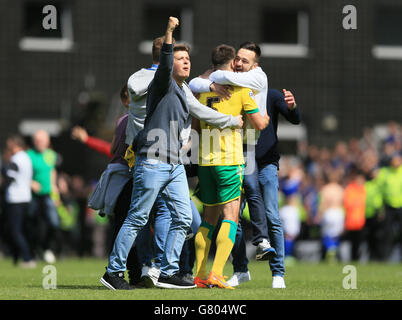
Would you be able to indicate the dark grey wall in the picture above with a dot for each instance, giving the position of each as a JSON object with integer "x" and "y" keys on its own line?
{"x": 340, "y": 75}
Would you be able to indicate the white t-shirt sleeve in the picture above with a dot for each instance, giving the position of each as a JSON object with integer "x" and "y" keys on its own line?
{"x": 290, "y": 217}
{"x": 12, "y": 171}
{"x": 19, "y": 191}
{"x": 200, "y": 85}
{"x": 138, "y": 84}
{"x": 255, "y": 79}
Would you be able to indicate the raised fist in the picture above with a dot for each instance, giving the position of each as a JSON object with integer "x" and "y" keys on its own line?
{"x": 173, "y": 23}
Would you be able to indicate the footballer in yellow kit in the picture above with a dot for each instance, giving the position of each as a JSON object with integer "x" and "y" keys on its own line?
{"x": 221, "y": 161}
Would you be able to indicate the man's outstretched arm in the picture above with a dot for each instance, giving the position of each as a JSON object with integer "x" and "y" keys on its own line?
{"x": 200, "y": 85}
{"x": 210, "y": 116}
{"x": 163, "y": 73}
{"x": 255, "y": 79}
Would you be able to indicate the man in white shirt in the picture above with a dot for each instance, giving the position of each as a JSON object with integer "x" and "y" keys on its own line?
{"x": 248, "y": 74}
{"x": 18, "y": 176}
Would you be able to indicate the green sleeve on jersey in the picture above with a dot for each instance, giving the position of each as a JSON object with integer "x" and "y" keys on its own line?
{"x": 252, "y": 111}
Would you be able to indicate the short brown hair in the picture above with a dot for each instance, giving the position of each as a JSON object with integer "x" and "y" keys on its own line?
{"x": 124, "y": 93}
{"x": 17, "y": 140}
{"x": 222, "y": 55}
{"x": 156, "y": 48}
{"x": 181, "y": 47}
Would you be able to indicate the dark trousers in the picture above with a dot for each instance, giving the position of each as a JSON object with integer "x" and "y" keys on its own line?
{"x": 85, "y": 230}
{"x": 392, "y": 230}
{"x": 15, "y": 215}
{"x": 373, "y": 230}
{"x": 43, "y": 225}
{"x": 187, "y": 257}
{"x": 120, "y": 214}
{"x": 355, "y": 237}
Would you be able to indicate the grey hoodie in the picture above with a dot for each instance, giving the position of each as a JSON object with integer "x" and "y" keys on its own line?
{"x": 167, "y": 114}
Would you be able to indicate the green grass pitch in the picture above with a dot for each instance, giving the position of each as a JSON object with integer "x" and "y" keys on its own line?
{"x": 78, "y": 279}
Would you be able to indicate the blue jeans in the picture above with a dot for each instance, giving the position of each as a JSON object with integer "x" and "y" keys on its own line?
{"x": 268, "y": 181}
{"x": 152, "y": 177}
{"x": 163, "y": 220}
{"x": 47, "y": 210}
{"x": 146, "y": 251}
{"x": 187, "y": 257}
{"x": 196, "y": 222}
{"x": 143, "y": 245}
{"x": 256, "y": 205}
{"x": 268, "y": 178}
{"x": 239, "y": 253}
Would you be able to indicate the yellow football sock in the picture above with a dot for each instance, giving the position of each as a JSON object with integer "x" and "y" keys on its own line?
{"x": 224, "y": 244}
{"x": 202, "y": 245}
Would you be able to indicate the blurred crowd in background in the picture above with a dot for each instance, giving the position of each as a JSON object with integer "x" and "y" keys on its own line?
{"x": 351, "y": 192}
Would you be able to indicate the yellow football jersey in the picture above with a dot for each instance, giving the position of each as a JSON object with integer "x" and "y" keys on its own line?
{"x": 224, "y": 147}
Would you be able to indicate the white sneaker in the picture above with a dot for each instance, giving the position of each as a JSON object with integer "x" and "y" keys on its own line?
{"x": 154, "y": 272}
{"x": 49, "y": 256}
{"x": 278, "y": 282}
{"x": 31, "y": 264}
{"x": 264, "y": 251}
{"x": 238, "y": 278}
{"x": 150, "y": 275}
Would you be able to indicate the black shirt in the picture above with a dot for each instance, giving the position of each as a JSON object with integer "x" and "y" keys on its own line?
{"x": 266, "y": 148}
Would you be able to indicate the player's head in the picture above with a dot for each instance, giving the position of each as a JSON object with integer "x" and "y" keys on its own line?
{"x": 356, "y": 174}
{"x": 396, "y": 159}
{"x": 247, "y": 56}
{"x": 125, "y": 99}
{"x": 334, "y": 175}
{"x": 181, "y": 64}
{"x": 222, "y": 57}
{"x": 156, "y": 48}
{"x": 41, "y": 140}
{"x": 15, "y": 143}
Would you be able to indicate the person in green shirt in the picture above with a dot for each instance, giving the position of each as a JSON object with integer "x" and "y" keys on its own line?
{"x": 374, "y": 213}
{"x": 45, "y": 221}
{"x": 390, "y": 184}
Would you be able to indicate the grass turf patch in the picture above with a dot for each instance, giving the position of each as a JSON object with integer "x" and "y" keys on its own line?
{"x": 78, "y": 279}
